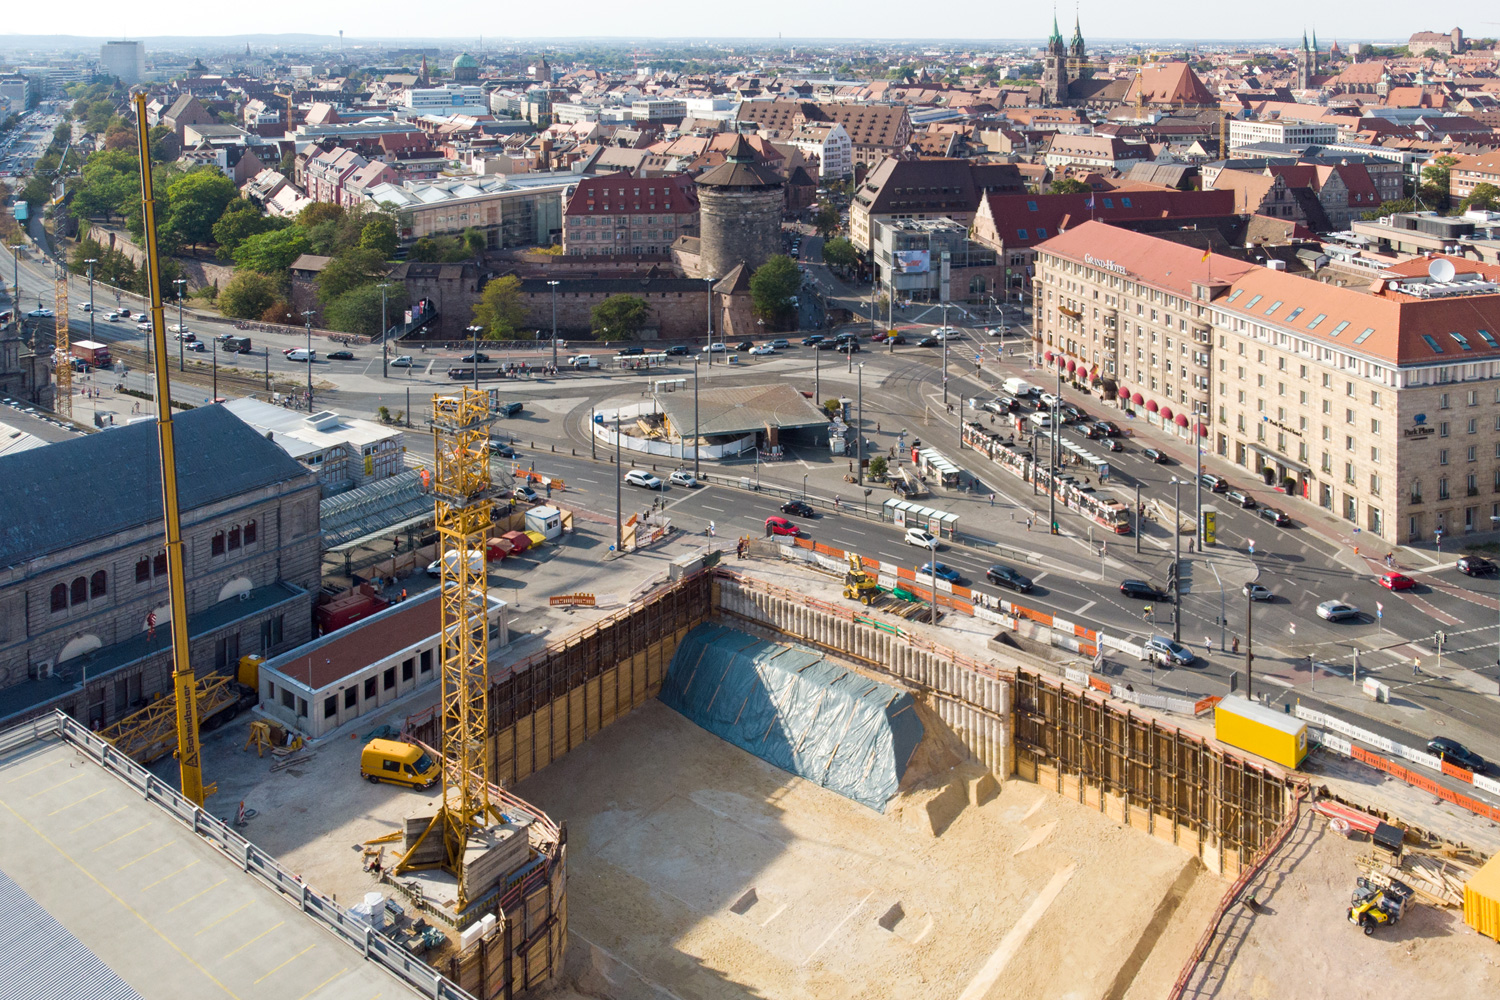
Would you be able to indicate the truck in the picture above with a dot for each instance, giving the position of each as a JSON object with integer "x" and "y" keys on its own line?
{"x": 235, "y": 345}
{"x": 91, "y": 351}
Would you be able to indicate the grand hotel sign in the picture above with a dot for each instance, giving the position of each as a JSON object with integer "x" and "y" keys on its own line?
{"x": 1105, "y": 265}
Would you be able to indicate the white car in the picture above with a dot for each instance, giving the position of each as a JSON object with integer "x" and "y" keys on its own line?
{"x": 401, "y": 361}
{"x": 1256, "y": 592}
{"x": 178, "y": 328}
{"x": 922, "y": 537}
{"x": 682, "y": 478}
{"x": 715, "y": 348}
{"x": 113, "y": 317}
{"x": 946, "y": 333}
{"x": 643, "y": 479}
{"x": 1049, "y": 400}
{"x": 763, "y": 349}
{"x": 995, "y": 331}
{"x": 1337, "y": 611}
{"x": 40, "y": 313}
{"x": 144, "y": 322}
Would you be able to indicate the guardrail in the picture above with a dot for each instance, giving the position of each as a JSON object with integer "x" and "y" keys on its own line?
{"x": 373, "y": 945}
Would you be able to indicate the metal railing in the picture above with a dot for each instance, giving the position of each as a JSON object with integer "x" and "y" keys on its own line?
{"x": 373, "y": 945}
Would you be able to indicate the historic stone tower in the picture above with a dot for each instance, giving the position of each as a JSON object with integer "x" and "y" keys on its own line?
{"x": 739, "y": 213}
{"x": 1055, "y": 68}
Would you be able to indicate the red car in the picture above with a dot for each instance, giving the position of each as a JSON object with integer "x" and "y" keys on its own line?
{"x": 1396, "y": 581}
{"x": 781, "y": 526}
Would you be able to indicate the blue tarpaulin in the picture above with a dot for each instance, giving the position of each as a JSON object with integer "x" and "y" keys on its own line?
{"x": 792, "y": 708}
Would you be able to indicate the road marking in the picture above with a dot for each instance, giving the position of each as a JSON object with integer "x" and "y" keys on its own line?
{"x": 1083, "y": 610}
{"x": 1041, "y": 576}
{"x": 179, "y": 871}
{"x": 255, "y": 939}
{"x": 283, "y": 965}
{"x": 208, "y": 927}
{"x": 121, "y": 837}
{"x": 148, "y": 854}
{"x": 203, "y": 893}
{"x": 96, "y": 819}
{"x": 325, "y": 983}
{"x": 717, "y": 510}
{"x": 75, "y": 802}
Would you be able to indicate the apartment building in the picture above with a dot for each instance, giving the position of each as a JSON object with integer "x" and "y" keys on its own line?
{"x": 875, "y": 131}
{"x": 1289, "y": 130}
{"x": 933, "y": 188}
{"x": 622, "y": 214}
{"x": 829, "y": 143}
{"x": 1380, "y": 404}
{"x": 1095, "y": 152}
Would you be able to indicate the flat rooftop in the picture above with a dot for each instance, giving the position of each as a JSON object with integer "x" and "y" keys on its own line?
{"x": 167, "y": 914}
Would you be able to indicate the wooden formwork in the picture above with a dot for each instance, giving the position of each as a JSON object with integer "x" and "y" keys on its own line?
{"x": 1146, "y": 773}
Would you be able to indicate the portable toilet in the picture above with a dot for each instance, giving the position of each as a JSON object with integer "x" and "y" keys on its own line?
{"x": 545, "y": 521}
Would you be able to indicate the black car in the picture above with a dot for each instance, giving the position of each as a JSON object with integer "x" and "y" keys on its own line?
{"x": 897, "y": 339}
{"x": 502, "y": 450}
{"x": 928, "y": 342}
{"x": 798, "y": 508}
{"x": 813, "y": 340}
{"x": 630, "y": 352}
{"x": 850, "y": 346}
{"x": 477, "y": 358}
{"x": 677, "y": 350}
{"x": 1242, "y": 498}
{"x": 341, "y": 356}
{"x": 1158, "y": 457}
{"x": 744, "y": 345}
{"x": 1141, "y": 590}
{"x": 1107, "y": 428}
{"x": 1216, "y": 483}
{"x": 1004, "y": 576}
{"x": 1454, "y": 752}
{"x": 1275, "y": 516}
{"x": 828, "y": 345}
{"x": 1475, "y": 566}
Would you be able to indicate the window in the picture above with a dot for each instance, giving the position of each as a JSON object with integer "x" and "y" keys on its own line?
{"x": 234, "y": 537}
{"x": 1443, "y": 401}
{"x": 1461, "y": 341}
{"x": 250, "y": 533}
{"x": 388, "y": 679}
{"x": 1473, "y": 425}
{"x": 1442, "y": 428}
{"x": 60, "y": 598}
{"x": 1338, "y": 329}
{"x": 1443, "y": 456}
{"x": 216, "y": 547}
{"x": 1294, "y": 314}
{"x": 1470, "y": 453}
{"x": 1251, "y": 304}
{"x": 1489, "y": 338}
{"x": 80, "y": 591}
{"x": 1443, "y": 488}
{"x": 1320, "y": 317}
{"x": 351, "y": 697}
{"x": 370, "y": 688}
{"x": 1364, "y": 336}
{"x": 1431, "y": 342}
{"x": 159, "y": 564}
{"x": 407, "y": 667}
{"x": 143, "y": 566}
{"x": 330, "y": 706}
{"x": 1473, "y": 397}
{"x": 1021, "y": 234}
{"x": 1274, "y": 306}
{"x": 98, "y": 584}
{"x": 1374, "y": 454}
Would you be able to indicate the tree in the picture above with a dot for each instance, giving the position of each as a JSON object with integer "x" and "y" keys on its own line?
{"x": 273, "y": 252}
{"x": 425, "y": 251}
{"x": 358, "y": 310}
{"x": 349, "y": 270}
{"x": 1435, "y": 180}
{"x": 619, "y": 317}
{"x": 474, "y": 242}
{"x": 379, "y": 234}
{"x": 248, "y": 295}
{"x": 772, "y": 286}
{"x": 1485, "y": 196}
{"x": 195, "y": 202}
{"x": 500, "y": 309}
{"x": 827, "y": 220}
{"x": 240, "y": 221}
{"x": 1391, "y": 208}
{"x": 877, "y": 467}
{"x": 839, "y": 252}
{"x": 1069, "y": 185}
{"x": 319, "y": 211}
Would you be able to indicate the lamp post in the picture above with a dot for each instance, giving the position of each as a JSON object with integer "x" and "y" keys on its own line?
{"x": 307, "y": 316}
{"x": 1223, "y": 612}
{"x": 1177, "y": 560}
{"x": 817, "y": 374}
{"x": 553, "y": 286}
{"x": 91, "y": 262}
{"x": 708, "y": 288}
{"x": 859, "y": 429}
{"x": 1495, "y": 522}
{"x": 15, "y": 279}
{"x": 1052, "y": 460}
{"x": 945, "y": 355}
{"x": 1249, "y": 644}
{"x": 695, "y": 418}
{"x": 385, "y": 333}
{"x": 474, "y": 332}
{"x": 1138, "y": 520}
{"x": 619, "y": 517}
{"x": 181, "y": 334}
{"x": 215, "y": 340}
{"x": 804, "y": 487}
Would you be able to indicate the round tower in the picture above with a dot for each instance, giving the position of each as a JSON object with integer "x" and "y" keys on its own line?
{"x": 739, "y": 212}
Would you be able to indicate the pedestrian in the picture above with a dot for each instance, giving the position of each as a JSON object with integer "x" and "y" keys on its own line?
{"x": 877, "y": 427}
{"x": 1234, "y": 645}
{"x": 1208, "y": 644}
{"x": 1390, "y": 559}
{"x": 1028, "y": 524}
{"x": 1416, "y": 666}
{"x": 992, "y": 499}
{"x": 710, "y": 529}
{"x": 1190, "y": 545}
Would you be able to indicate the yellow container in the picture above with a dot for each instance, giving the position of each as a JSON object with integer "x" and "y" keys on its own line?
{"x": 1482, "y": 900}
{"x": 1264, "y": 732}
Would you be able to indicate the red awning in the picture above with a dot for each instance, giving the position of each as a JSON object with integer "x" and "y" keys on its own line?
{"x": 1166, "y": 413}
{"x": 1124, "y": 393}
{"x": 1182, "y": 420}
{"x": 1137, "y": 398}
{"x": 1047, "y": 356}
{"x": 1151, "y": 407}
{"x": 1202, "y": 431}
{"x": 1072, "y": 367}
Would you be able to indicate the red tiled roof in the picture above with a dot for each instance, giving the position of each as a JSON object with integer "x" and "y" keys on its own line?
{"x": 1162, "y": 263}
{"x": 623, "y": 193}
{"x": 1014, "y": 213}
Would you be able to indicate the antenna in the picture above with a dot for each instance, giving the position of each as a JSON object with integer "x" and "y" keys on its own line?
{"x": 1441, "y": 269}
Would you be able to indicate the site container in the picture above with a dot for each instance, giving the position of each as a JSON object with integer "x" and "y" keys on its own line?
{"x": 1482, "y": 900}
{"x": 1276, "y": 736}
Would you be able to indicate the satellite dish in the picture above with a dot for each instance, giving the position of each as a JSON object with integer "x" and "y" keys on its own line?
{"x": 1441, "y": 269}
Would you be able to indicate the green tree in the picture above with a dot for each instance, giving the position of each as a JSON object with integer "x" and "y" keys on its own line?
{"x": 474, "y": 242}
{"x": 195, "y": 202}
{"x": 877, "y": 466}
{"x": 86, "y": 250}
{"x": 1435, "y": 180}
{"x": 379, "y": 234}
{"x": 349, "y": 270}
{"x": 240, "y": 221}
{"x": 839, "y": 252}
{"x": 500, "y": 309}
{"x": 358, "y": 310}
{"x": 1485, "y": 196}
{"x": 273, "y": 252}
{"x": 772, "y": 286}
{"x": 37, "y": 192}
{"x": 248, "y": 295}
{"x": 62, "y": 135}
{"x": 1069, "y": 185}
{"x": 619, "y": 317}
{"x": 319, "y": 211}
{"x": 827, "y": 220}
{"x": 425, "y": 251}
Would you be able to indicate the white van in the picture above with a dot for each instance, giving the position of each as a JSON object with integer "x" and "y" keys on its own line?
{"x": 584, "y": 361}
{"x": 1040, "y": 418}
{"x": 1018, "y": 387}
{"x": 301, "y": 354}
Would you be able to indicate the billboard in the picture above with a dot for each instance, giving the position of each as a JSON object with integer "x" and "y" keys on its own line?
{"x": 913, "y": 261}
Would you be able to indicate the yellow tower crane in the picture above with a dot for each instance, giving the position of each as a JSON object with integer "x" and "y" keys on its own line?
{"x": 62, "y": 349}
{"x": 189, "y": 762}
{"x": 461, "y": 485}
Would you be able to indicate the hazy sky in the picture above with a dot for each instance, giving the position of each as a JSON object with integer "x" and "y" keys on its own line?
{"x": 1148, "y": 19}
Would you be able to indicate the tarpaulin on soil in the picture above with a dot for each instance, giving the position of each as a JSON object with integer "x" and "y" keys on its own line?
{"x": 792, "y": 708}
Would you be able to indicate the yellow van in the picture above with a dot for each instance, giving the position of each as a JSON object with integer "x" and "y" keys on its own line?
{"x": 398, "y": 763}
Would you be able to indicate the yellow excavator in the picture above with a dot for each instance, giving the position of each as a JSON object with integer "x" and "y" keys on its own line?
{"x": 858, "y": 585}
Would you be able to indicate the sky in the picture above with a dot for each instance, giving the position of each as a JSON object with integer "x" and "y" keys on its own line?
{"x": 683, "y": 19}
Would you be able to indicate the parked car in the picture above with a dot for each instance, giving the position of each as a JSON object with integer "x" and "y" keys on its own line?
{"x": 1256, "y": 592}
{"x": 1275, "y": 515}
{"x": 1455, "y": 752}
{"x": 630, "y": 352}
{"x": 1475, "y": 566}
{"x": 1242, "y": 498}
{"x": 781, "y": 526}
{"x": 1335, "y": 611}
{"x": 1169, "y": 652}
{"x": 526, "y": 494}
{"x": 1141, "y": 590}
{"x": 1217, "y": 484}
{"x": 401, "y": 361}
{"x": 942, "y": 570}
{"x": 922, "y": 537}
{"x": 714, "y": 348}
{"x": 798, "y": 508}
{"x": 1003, "y": 576}
{"x": 779, "y": 344}
{"x": 341, "y": 356}
{"x": 1396, "y": 581}
{"x": 1156, "y": 456}
{"x": 682, "y": 478}
{"x": 1109, "y": 429}
{"x": 643, "y": 479}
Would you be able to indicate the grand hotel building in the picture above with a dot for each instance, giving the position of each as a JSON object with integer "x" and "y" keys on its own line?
{"x": 1379, "y": 404}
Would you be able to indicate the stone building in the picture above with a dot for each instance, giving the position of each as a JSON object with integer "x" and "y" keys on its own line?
{"x": 740, "y": 205}
{"x": 451, "y": 289}
{"x": 24, "y": 375}
{"x": 679, "y": 308}
{"x": 86, "y": 569}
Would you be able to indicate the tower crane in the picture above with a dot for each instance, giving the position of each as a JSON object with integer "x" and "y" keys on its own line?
{"x": 461, "y": 487}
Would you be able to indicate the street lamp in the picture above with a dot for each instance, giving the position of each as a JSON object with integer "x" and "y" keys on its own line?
{"x": 181, "y": 334}
{"x": 945, "y": 355}
{"x": 708, "y": 288}
{"x": 859, "y": 429}
{"x": 91, "y": 262}
{"x": 1177, "y": 560}
{"x": 553, "y": 285}
{"x": 385, "y": 333}
{"x": 215, "y": 340}
{"x": 308, "y": 314}
{"x": 474, "y": 332}
{"x": 696, "y": 438}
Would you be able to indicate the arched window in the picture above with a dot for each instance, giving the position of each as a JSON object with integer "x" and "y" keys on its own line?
{"x": 98, "y": 584}
{"x": 216, "y": 548}
{"x": 143, "y": 570}
{"x": 250, "y": 533}
{"x": 80, "y": 591}
{"x": 60, "y": 597}
{"x": 159, "y": 564}
{"x": 234, "y": 538}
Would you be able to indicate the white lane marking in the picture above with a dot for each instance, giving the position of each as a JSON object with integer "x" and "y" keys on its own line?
{"x": 1041, "y": 576}
{"x": 717, "y": 510}
{"x": 1084, "y": 610}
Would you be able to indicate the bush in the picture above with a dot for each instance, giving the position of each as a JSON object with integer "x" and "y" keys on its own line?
{"x": 248, "y": 295}
{"x": 878, "y": 467}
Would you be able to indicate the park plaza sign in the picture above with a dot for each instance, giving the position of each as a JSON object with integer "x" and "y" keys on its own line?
{"x": 1106, "y": 265}
{"x": 1419, "y": 428}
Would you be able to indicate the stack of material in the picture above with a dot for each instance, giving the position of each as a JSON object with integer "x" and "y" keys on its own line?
{"x": 1436, "y": 881}
{"x": 372, "y": 911}
{"x": 432, "y": 851}
{"x": 495, "y": 853}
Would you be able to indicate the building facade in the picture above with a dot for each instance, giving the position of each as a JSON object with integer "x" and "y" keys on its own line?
{"x": 620, "y": 214}
{"x": 1287, "y": 131}
{"x": 126, "y": 60}
{"x": 740, "y": 203}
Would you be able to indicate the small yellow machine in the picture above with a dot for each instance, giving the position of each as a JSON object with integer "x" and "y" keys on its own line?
{"x": 857, "y": 583}
{"x": 398, "y": 763}
{"x": 1379, "y": 906}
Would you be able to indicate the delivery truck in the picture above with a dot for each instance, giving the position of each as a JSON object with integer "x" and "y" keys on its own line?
{"x": 91, "y": 351}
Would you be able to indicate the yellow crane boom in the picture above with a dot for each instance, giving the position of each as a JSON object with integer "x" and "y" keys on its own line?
{"x": 62, "y": 349}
